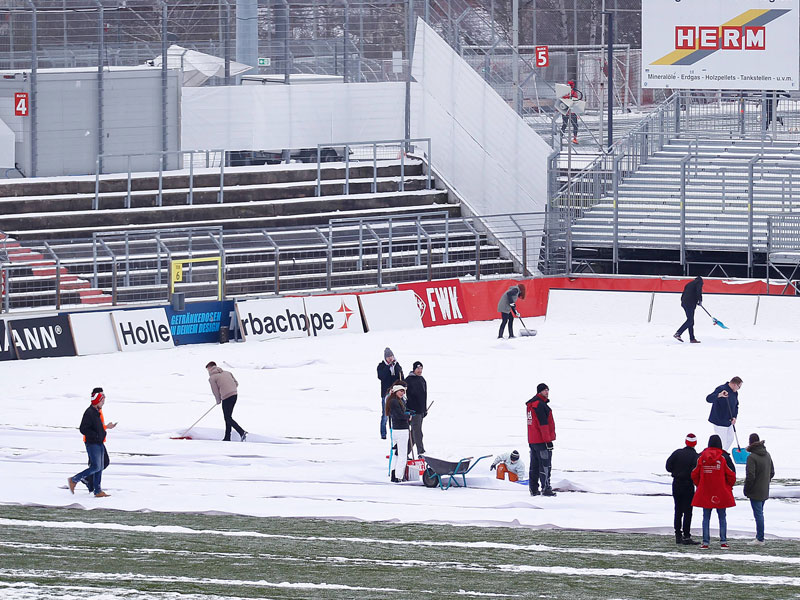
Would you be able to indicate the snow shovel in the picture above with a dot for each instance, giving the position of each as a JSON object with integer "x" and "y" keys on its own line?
{"x": 525, "y": 332}
{"x": 715, "y": 320}
{"x": 739, "y": 454}
{"x": 184, "y": 435}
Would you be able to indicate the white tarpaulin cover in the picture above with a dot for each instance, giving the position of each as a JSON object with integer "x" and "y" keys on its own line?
{"x": 7, "y": 151}
{"x": 273, "y": 117}
{"x": 197, "y": 67}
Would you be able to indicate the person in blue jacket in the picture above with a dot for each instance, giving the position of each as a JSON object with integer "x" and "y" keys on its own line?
{"x": 724, "y": 402}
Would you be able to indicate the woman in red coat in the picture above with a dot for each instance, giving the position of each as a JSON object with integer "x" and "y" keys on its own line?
{"x": 714, "y": 477}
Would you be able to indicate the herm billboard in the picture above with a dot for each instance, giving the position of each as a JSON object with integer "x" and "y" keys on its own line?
{"x": 720, "y": 44}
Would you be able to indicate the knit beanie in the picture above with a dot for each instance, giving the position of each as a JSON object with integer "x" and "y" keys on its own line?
{"x": 541, "y": 387}
{"x": 691, "y": 440}
{"x": 416, "y": 364}
{"x": 97, "y": 398}
{"x": 715, "y": 441}
{"x": 387, "y": 352}
{"x": 515, "y": 456}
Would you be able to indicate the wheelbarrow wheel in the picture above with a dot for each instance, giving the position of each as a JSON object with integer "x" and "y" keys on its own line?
{"x": 429, "y": 478}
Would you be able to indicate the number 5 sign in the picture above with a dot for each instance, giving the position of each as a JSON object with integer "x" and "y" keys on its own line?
{"x": 542, "y": 54}
{"x": 21, "y": 104}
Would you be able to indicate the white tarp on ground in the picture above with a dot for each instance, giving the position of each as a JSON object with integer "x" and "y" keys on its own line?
{"x": 7, "y": 150}
{"x": 273, "y": 117}
{"x": 197, "y": 67}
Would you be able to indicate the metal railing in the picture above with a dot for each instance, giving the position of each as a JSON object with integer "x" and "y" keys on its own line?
{"x": 369, "y": 151}
{"x": 133, "y": 266}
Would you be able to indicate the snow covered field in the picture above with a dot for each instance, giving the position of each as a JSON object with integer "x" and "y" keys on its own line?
{"x": 623, "y": 398}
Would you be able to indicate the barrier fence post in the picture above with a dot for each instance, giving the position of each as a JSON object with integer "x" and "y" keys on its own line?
{"x": 128, "y": 196}
{"x": 319, "y": 171}
{"x": 96, "y": 201}
{"x": 615, "y": 242}
{"x": 221, "y": 195}
{"x": 684, "y": 160}
{"x": 114, "y": 280}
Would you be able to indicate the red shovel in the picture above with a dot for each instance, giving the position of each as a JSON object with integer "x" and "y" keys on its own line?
{"x": 184, "y": 435}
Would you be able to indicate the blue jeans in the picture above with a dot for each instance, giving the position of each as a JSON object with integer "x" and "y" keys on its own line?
{"x": 758, "y": 514}
{"x": 384, "y": 418}
{"x": 95, "y": 452}
{"x": 723, "y": 525}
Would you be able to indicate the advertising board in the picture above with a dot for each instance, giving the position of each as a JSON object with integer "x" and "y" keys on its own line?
{"x": 42, "y": 337}
{"x": 146, "y": 329}
{"x": 329, "y": 315}
{"x": 439, "y": 302}
{"x": 272, "y": 318}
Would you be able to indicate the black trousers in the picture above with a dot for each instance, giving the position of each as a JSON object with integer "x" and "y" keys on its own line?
{"x": 570, "y": 118}
{"x": 689, "y": 323}
{"x": 541, "y": 465}
{"x": 227, "y": 412}
{"x": 682, "y": 494}
{"x": 507, "y": 318}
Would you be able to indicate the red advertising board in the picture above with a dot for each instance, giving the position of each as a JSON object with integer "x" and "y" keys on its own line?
{"x": 439, "y": 302}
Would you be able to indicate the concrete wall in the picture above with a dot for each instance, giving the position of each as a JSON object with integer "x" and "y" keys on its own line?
{"x": 67, "y": 118}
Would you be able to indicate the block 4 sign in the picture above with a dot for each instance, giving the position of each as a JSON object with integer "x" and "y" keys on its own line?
{"x": 21, "y": 105}
{"x": 439, "y": 302}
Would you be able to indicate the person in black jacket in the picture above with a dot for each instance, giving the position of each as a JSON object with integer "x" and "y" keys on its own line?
{"x": 417, "y": 404}
{"x": 691, "y": 298}
{"x": 389, "y": 371}
{"x": 94, "y": 432}
{"x": 397, "y": 412}
{"x": 681, "y": 463}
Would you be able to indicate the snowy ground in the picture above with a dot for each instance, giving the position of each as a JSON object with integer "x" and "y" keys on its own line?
{"x": 623, "y": 400}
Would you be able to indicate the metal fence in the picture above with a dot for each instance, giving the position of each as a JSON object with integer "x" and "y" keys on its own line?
{"x": 133, "y": 267}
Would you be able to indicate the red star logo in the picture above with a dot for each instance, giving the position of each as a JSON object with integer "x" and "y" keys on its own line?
{"x": 347, "y": 314}
{"x": 420, "y": 305}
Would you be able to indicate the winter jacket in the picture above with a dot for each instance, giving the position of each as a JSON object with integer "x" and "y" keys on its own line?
{"x": 759, "y": 471}
{"x": 388, "y": 375}
{"x": 714, "y": 480}
{"x": 92, "y": 427}
{"x": 102, "y": 420}
{"x": 223, "y": 383}
{"x": 417, "y": 394}
{"x": 723, "y": 409}
{"x": 508, "y": 298}
{"x": 693, "y": 293}
{"x": 398, "y": 417}
{"x": 541, "y": 426}
{"x": 681, "y": 463}
{"x": 514, "y": 467}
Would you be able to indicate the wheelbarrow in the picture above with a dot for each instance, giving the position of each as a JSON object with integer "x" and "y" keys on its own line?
{"x": 438, "y": 470}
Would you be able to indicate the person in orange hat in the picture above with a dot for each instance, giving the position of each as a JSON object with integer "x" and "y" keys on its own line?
{"x": 94, "y": 431}
{"x": 680, "y": 464}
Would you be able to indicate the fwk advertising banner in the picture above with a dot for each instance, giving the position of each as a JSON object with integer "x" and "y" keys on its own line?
{"x": 720, "y": 44}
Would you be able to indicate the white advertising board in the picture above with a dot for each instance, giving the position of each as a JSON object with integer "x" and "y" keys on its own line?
{"x": 333, "y": 315}
{"x": 146, "y": 329}
{"x": 391, "y": 310}
{"x": 720, "y": 44}
{"x": 272, "y": 318}
{"x": 93, "y": 333}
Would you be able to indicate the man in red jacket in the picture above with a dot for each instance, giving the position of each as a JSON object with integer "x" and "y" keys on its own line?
{"x": 541, "y": 434}
{"x": 714, "y": 477}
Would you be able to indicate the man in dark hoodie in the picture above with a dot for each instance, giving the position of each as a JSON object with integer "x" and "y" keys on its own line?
{"x": 760, "y": 470}
{"x": 417, "y": 404}
{"x": 389, "y": 371}
{"x": 680, "y": 464}
{"x": 541, "y": 435}
{"x": 691, "y": 298}
{"x": 724, "y": 402}
{"x": 94, "y": 432}
{"x": 507, "y": 307}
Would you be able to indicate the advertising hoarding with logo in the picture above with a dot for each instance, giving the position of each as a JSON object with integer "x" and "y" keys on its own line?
{"x": 199, "y": 323}
{"x": 142, "y": 329}
{"x": 333, "y": 314}
{"x": 720, "y": 44}
{"x": 42, "y": 337}
{"x": 272, "y": 318}
{"x": 439, "y": 302}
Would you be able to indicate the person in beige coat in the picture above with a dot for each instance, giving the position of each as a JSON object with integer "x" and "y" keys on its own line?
{"x": 226, "y": 389}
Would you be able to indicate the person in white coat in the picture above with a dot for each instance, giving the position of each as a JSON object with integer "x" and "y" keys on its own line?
{"x": 509, "y": 462}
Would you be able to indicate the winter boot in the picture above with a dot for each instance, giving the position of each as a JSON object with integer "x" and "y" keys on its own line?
{"x": 548, "y": 492}
{"x": 688, "y": 541}
{"x": 535, "y": 491}
{"x": 678, "y": 537}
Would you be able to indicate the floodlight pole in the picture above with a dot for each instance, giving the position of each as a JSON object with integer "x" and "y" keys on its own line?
{"x": 610, "y": 68}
